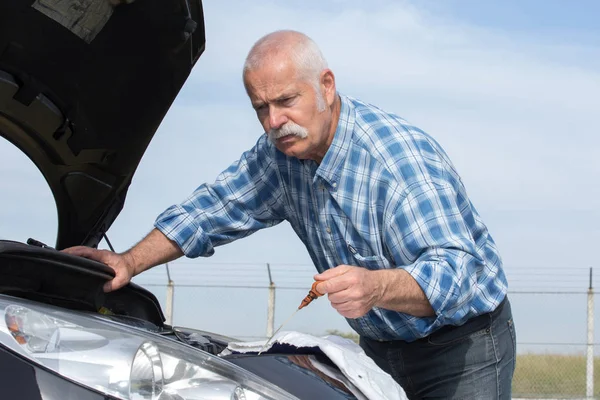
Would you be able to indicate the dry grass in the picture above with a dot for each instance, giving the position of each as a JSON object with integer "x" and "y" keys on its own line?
{"x": 543, "y": 375}
{"x": 553, "y": 376}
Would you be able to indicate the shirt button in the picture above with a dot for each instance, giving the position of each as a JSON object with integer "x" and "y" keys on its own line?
{"x": 328, "y": 230}
{"x": 334, "y": 184}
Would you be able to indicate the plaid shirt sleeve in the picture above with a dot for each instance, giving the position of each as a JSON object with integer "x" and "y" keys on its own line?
{"x": 244, "y": 198}
{"x": 428, "y": 234}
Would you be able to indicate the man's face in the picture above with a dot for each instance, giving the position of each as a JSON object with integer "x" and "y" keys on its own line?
{"x": 287, "y": 108}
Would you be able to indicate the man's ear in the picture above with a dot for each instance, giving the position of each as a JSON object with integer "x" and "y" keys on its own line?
{"x": 328, "y": 85}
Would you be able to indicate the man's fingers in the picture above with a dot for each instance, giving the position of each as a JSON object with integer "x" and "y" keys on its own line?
{"x": 343, "y": 296}
{"x": 321, "y": 288}
{"x": 332, "y": 272}
{"x": 333, "y": 285}
{"x": 121, "y": 279}
{"x": 350, "y": 309}
{"x": 86, "y": 252}
{"x": 339, "y": 304}
{"x": 77, "y": 250}
{"x": 348, "y": 289}
{"x": 108, "y": 286}
{"x": 330, "y": 279}
{"x": 110, "y": 259}
{"x": 116, "y": 283}
{"x": 342, "y": 278}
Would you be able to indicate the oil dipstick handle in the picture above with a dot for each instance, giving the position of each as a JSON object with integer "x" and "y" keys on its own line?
{"x": 312, "y": 294}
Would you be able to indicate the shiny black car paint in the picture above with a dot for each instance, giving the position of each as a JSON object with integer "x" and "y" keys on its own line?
{"x": 302, "y": 382}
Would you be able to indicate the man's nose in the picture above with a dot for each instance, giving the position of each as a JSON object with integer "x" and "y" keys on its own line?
{"x": 277, "y": 117}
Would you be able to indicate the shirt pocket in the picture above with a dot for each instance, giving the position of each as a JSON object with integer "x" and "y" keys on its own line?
{"x": 372, "y": 262}
{"x": 357, "y": 247}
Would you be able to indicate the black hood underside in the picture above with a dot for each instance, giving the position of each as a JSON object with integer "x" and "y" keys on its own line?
{"x": 63, "y": 280}
{"x": 84, "y": 88}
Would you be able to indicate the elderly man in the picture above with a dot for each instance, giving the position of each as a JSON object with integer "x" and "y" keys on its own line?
{"x": 401, "y": 251}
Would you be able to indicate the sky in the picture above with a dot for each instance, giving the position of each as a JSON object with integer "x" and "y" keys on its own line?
{"x": 510, "y": 89}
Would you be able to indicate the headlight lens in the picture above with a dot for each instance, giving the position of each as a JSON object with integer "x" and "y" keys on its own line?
{"x": 121, "y": 361}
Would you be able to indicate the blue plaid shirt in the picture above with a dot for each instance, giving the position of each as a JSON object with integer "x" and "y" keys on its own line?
{"x": 384, "y": 196}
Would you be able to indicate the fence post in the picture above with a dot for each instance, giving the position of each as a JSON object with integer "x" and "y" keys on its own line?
{"x": 590, "y": 341}
{"x": 170, "y": 295}
{"x": 271, "y": 309}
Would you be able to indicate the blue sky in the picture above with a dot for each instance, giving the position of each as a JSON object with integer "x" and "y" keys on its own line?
{"x": 559, "y": 19}
{"x": 510, "y": 89}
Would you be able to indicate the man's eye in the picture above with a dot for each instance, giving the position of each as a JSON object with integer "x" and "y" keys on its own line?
{"x": 288, "y": 101}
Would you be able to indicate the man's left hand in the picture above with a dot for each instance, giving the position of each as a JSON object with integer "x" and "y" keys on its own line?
{"x": 352, "y": 291}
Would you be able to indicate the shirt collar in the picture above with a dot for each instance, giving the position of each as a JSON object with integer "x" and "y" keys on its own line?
{"x": 331, "y": 165}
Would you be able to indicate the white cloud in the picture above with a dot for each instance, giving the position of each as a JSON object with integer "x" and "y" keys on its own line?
{"x": 400, "y": 46}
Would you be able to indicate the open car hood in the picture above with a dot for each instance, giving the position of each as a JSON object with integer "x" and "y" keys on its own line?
{"x": 63, "y": 280}
{"x": 84, "y": 87}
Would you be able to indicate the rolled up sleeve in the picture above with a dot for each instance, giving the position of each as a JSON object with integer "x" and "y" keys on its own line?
{"x": 430, "y": 239}
{"x": 244, "y": 198}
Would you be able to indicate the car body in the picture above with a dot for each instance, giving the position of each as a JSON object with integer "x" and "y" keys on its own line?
{"x": 84, "y": 86}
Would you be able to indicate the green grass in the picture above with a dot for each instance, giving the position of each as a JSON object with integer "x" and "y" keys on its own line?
{"x": 553, "y": 375}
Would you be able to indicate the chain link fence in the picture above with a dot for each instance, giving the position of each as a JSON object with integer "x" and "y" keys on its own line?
{"x": 559, "y": 372}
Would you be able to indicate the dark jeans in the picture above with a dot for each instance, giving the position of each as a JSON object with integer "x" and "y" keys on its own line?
{"x": 472, "y": 361}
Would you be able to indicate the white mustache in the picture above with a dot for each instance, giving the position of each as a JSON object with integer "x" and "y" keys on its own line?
{"x": 290, "y": 128}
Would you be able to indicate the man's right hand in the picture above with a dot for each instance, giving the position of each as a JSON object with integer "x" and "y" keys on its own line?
{"x": 122, "y": 264}
{"x": 151, "y": 251}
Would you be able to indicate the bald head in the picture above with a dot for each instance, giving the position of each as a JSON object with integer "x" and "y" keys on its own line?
{"x": 290, "y": 45}
{"x": 284, "y": 46}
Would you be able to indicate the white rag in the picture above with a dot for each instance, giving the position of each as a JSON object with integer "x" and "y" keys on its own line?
{"x": 362, "y": 376}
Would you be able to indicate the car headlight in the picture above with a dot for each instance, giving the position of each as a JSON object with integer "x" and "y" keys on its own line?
{"x": 122, "y": 361}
